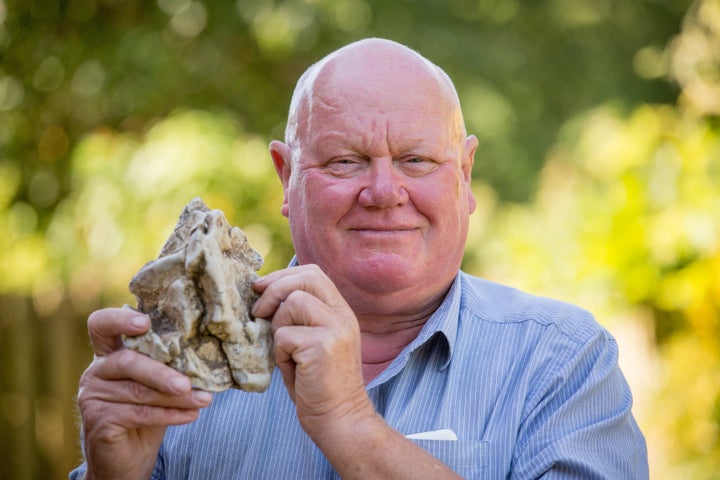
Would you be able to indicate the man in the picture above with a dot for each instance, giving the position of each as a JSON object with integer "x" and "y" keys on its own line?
{"x": 391, "y": 362}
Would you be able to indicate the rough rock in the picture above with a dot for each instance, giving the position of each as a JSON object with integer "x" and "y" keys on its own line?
{"x": 198, "y": 294}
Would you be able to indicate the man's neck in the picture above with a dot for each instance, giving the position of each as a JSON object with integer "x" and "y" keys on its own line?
{"x": 390, "y": 323}
{"x": 384, "y": 339}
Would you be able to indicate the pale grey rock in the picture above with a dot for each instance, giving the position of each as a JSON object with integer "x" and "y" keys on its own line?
{"x": 198, "y": 294}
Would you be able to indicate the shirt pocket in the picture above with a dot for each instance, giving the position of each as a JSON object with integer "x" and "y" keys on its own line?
{"x": 466, "y": 458}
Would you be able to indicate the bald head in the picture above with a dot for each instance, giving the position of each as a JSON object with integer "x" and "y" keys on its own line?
{"x": 371, "y": 71}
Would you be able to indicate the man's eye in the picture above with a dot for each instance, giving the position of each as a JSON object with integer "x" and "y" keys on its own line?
{"x": 415, "y": 160}
{"x": 345, "y": 162}
{"x": 417, "y": 166}
{"x": 344, "y": 166}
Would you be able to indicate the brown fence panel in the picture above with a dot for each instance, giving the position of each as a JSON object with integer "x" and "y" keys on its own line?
{"x": 41, "y": 360}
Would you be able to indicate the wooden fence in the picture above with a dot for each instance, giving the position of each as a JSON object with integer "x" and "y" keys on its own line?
{"x": 41, "y": 360}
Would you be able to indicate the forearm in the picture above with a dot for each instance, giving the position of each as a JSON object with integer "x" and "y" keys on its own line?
{"x": 374, "y": 450}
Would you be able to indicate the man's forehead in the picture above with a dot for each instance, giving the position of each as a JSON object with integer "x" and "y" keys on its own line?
{"x": 346, "y": 93}
{"x": 378, "y": 135}
{"x": 359, "y": 122}
{"x": 374, "y": 73}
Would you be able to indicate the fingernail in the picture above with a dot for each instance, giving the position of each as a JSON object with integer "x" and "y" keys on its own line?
{"x": 139, "y": 321}
{"x": 201, "y": 396}
{"x": 180, "y": 384}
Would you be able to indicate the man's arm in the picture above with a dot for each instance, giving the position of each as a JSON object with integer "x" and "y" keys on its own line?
{"x": 317, "y": 349}
{"x": 373, "y": 450}
{"x": 126, "y": 400}
{"x": 579, "y": 424}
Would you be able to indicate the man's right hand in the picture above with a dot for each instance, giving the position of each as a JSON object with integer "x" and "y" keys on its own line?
{"x": 126, "y": 399}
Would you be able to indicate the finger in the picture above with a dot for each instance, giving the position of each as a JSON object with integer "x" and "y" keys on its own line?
{"x": 300, "y": 308}
{"x": 261, "y": 283}
{"x": 130, "y": 392}
{"x": 286, "y": 365}
{"x": 277, "y": 287}
{"x": 314, "y": 349}
{"x": 129, "y": 365}
{"x": 131, "y": 416}
{"x": 145, "y": 415}
{"x": 301, "y": 273}
{"x": 107, "y": 326}
{"x": 318, "y": 368}
{"x": 288, "y": 343}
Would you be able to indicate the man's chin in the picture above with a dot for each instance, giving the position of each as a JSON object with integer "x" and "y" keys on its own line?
{"x": 383, "y": 277}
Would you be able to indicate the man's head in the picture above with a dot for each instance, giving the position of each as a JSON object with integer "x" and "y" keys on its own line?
{"x": 376, "y": 172}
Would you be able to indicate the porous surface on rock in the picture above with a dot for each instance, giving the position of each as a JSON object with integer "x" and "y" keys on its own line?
{"x": 198, "y": 294}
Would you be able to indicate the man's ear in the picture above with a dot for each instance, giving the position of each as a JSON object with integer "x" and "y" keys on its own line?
{"x": 470, "y": 147}
{"x": 281, "y": 156}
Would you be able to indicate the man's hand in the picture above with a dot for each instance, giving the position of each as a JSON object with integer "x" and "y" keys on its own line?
{"x": 317, "y": 348}
{"x": 126, "y": 399}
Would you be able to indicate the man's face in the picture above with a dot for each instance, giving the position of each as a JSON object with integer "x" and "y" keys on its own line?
{"x": 378, "y": 194}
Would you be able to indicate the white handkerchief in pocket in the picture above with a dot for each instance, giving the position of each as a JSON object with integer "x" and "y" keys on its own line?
{"x": 443, "y": 434}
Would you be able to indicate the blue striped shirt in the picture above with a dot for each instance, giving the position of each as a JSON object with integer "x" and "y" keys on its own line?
{"x": 530, "y": 387}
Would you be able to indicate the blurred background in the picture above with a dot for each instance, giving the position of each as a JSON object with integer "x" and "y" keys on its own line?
{"x": 598, "y": 174}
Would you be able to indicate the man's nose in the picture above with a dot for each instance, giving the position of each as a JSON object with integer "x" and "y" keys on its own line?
{"x": 385, "y": 185}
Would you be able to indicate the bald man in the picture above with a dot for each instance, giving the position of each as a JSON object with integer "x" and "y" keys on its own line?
{"x": 392, "y": 362}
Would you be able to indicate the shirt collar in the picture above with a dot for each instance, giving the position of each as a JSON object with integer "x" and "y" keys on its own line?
{"x": 442, "y": 326}
{"x": 443, "y": 321}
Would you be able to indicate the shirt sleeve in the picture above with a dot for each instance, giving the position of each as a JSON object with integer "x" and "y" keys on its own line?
{"x": 78, "y": 473}
{"x": 159, "y": 471}
{"x": 578, "y": 423}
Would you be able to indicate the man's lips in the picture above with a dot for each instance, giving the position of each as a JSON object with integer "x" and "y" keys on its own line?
{"x": 383, "y": 234}
{"x": 382, "y": 229}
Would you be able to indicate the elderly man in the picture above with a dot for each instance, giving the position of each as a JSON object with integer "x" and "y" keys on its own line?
{"x": 392, "y": 363}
